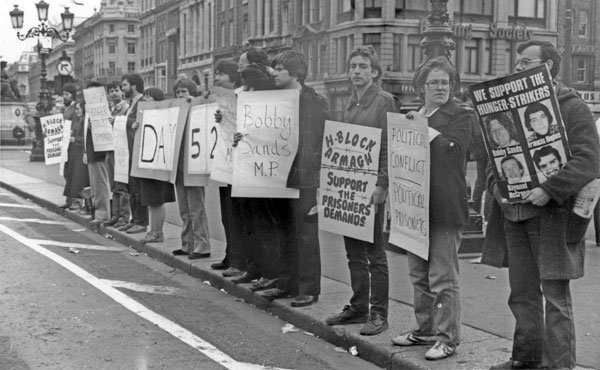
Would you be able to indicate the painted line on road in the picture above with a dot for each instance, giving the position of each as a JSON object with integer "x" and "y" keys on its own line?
{"x": 132, "y": 305}
{"x": 16, "y": 205}
{"x": 79, "y": 245}
{"x": 35, "y": 220}
{"x": 143, "y": 288}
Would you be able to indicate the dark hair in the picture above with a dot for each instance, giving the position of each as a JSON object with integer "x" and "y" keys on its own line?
{"x": 135, "y": 79}
{"x": 230, "y": 68}
{"x": 188, "y": 84}
{"x": 508, "y": 158}
{"x": 442, "y": 63}
{"x": 366, "y": 51}
{"x": 113, "y": 85}
{"x": 257, "y": 77}
{"x": 71, "y": 89}
{"x": 548, "y": 52}
{"x": 293, "y": 62}
{"x": 536, "y": 107}
{"x": 156, "y": 93}
{"x": 258, "y": 56}
{"x": 81, "y": 103}
{"x": 93, "y": 83}
{"x": 545, "y": 151}
{"x": 504, "y": 120}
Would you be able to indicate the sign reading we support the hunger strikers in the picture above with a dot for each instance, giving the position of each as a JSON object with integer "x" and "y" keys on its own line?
{"x": 158, "y": 139}
{"x": 523, "y": 130}
{"x": 121, "y": 150}
{"x": 349, "y": 167}
{"x": 408, "y": 171}
{"x": 200, "y": 141}
{"x": 96, "y": 106}
{"x": 268, "y": 121}
{"x": 222, "y": 169}
{"x": 52, "y": 131}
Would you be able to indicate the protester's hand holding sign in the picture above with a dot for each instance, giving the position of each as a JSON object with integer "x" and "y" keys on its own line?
{"x": 537, "y": 197}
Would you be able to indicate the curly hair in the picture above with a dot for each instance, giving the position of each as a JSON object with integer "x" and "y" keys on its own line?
{"x": 436, "y": 63}
{"x": 367, "y": 51}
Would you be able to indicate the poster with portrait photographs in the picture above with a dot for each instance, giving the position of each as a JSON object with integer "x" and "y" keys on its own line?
{"x": 523, "y": 130}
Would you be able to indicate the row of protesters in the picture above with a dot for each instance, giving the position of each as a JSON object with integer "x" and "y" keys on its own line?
{"x": 195, "y": 239}
{"x": 75, "y": 172}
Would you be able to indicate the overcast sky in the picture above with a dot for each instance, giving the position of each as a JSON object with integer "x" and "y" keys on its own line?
{"x": 10, "y": 46}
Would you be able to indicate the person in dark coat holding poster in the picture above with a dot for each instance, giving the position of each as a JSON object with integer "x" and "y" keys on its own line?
{"x": 436, "y": 280}
{"x": 542, "y": 240}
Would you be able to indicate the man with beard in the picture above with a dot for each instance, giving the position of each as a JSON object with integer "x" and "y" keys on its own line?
{"x": 69, "y": 94}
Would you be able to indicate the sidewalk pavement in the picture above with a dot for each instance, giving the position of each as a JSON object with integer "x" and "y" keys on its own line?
{"x": 479, "y": 349}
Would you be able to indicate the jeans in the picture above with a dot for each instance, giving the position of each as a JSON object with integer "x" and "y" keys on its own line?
{"x": 436, "y": 284}
{"x": 232, "y": 223}
{"x": 139, "y": 213}
{"x": 99, "y": 181}
{"x": 300, "y": 252}
{"x": 369, "y": 274}
{"x": 551, "y": 341}
{"x": 120, "y": 202}
{"x": 192, "y": 210}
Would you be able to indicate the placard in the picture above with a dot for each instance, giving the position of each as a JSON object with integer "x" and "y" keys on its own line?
{"x": 200, "y": 141}
{"x": 408, "y": 171}
{"x": 523, "y": 130}
{"x": 52, "y": 132}
{"x": 158, "y": 139}
{"x": 349, "y": 168}
{"x": 268, "y": 121}
{"x": 64, "y": 145}
{"x": 96, "y": 106}
{"x": 121, "y": 149}
{"x": 222, "y": 169}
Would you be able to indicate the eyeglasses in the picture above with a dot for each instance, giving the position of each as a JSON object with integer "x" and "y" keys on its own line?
{"x": 526, "y": 62}
{"x": 432, "y": 84}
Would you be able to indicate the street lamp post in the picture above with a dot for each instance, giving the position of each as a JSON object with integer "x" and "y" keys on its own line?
{"x": 45, "y": 104}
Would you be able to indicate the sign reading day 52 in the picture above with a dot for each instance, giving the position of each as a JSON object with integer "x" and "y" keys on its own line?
{"x": 202, "y": 136}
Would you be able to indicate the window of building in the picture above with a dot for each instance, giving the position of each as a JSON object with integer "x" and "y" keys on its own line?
{"x": 397, "y": 53}
{"x": 580, "y": 70}
{"x": 231, "y": 33}
{"x": 479, "y": 7}
{"x": 413, "y": 4}
{"x": 324, "y": 60}
{"x": 131, "y": 48}
{"x": 131, "y": 28}
{"x": 112, "y": 48}
{"x": 112, "y": 68}
{"x": 222, "y": 38}
{"x": 414, "y": 53}
{"x": 130, "y": 67}
{"x": 111, "y": 28}
{"x": 471, "y": 57}
{"x": 316, "y": 11}
{"x": 527, "y": 8}
{"x": 372, "y": 9}
{"x": 344, "y": 6}
{"x": 373, "y": 39}
{"x": 342, "y": 54}
{"x": 245, "y": 28}
{"x": 489, "y": 54}
{"x": 284, "y": 18}
{"x": 582, "y": 26}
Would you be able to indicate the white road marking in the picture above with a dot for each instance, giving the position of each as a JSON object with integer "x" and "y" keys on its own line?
{"x": 144, "y": 288}
{"x": 36, "y": 220}
{"x": 79, "y": 245}
{"x": 132, "y": 305}
{"x": 16, "y": 205}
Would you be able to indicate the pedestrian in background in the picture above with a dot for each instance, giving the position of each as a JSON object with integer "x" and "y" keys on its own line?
{"x": 436, "y": 281}
{"x": 368, "y": 106}
{"x": 541, "y": 240}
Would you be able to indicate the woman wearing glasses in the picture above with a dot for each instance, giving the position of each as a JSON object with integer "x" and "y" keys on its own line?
{"x": 436, "y": 281}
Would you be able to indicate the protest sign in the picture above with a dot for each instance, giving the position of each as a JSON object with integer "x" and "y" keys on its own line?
{"x": 523, "y": 130}
{"x": 222, "y": 169}
{"x": 52, "y": 132}
{"x": 408, "y": 171}
{"x": 121, "y": 150}
{"x": 349, "y": 167}
{"x": 268, "y": 121}
{"x": 158, "y": 139}
{"x": 64, "y": 147}
{"x": 96, "y": 106}
{"x": 199, "y": 141}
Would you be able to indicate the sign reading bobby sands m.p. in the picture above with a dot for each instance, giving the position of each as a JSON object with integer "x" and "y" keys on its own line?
{"x": 349, "y": 167}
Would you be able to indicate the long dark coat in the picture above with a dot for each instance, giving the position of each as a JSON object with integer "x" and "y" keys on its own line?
{"x": 76, "y": 172}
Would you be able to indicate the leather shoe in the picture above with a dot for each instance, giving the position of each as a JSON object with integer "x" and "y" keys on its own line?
{"x": 196, "y": 256}
{"x": 153, "y": 237}
{"x": 275, "y": 293}
{"x": 126, "y": 227}
{"x": 137, "y": 229}
{"x": 246, "y": 277}
{"x": 65, "y": 206}
{"x": 110, "y": 222}
{"x": 375, "y": 324}
{"x": 179, "y": 252}
{"x": 304, "y": 300}
{"x": 120, "y": 224}
{"x": 347, "y": 316}
{"x": 513, "y": 364}
{"x": 263, "y": 284}
{"x": 219, "y": 266}
{"x": 96, "y": 222}
{"x": 231, "y": 272}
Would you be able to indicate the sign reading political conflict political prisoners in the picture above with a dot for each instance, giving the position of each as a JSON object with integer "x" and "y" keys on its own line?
{"x": 268, "y": 121}
{"x": 349, "y": 167}
{"x": 52, "y": 131}
{"x": 200, "y": 141}
{"x": 408, "y": 171}
{"x": 222, "y": 169}
{"x": 121, "y": 149}
{"x": 158, "y": 139}
{"x": 523, "y": 130}
{"x": 96, "y": 106}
